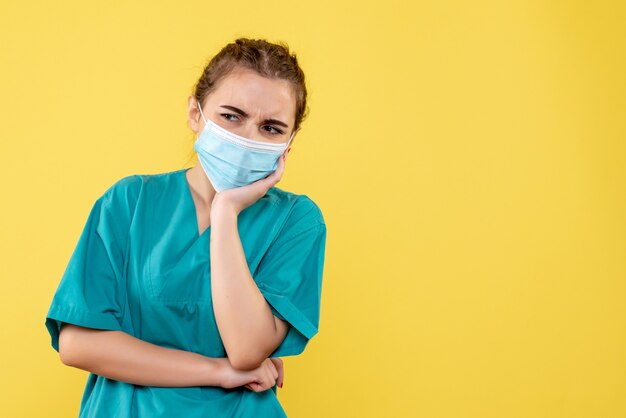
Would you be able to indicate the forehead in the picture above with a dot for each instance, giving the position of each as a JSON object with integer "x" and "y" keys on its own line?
{"x": 254, "y": 93}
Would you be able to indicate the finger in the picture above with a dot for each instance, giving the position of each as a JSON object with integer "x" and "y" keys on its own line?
{"x": 281, "y": 371}
{"x": 275, "y": 176}
{"x": 274, "y": 369}
{"x": 254, "y": 388}
{"x": 278, "y": 173}
{"x": 271, "y": 372}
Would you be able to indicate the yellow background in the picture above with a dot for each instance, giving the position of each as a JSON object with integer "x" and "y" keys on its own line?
{"x": 469, "y": 158}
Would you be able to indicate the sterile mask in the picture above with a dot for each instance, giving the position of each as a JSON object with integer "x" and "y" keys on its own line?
{"x": 230, "y": 160}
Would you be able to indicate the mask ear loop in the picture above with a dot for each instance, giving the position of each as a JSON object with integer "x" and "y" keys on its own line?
{"x": 201, "y": 113}
{"x": 289, "y": 142}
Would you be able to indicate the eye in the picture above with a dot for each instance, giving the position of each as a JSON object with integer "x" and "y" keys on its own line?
{"x": 228, "y": 114}
{"x": 277, "y": 131}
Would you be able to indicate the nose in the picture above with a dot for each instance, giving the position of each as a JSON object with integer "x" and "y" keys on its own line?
{"x": 249, "y": 131}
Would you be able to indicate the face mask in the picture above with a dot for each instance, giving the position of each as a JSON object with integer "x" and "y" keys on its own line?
{"x": 230, "y": 160}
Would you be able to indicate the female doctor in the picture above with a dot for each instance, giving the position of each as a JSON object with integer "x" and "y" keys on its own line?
{"x": 186, "y": 286}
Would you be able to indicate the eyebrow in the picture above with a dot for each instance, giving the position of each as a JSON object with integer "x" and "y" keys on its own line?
{"x": 244, "y": 114}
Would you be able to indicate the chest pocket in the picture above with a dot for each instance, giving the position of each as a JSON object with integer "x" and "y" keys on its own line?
{"x": 181, "y": 276}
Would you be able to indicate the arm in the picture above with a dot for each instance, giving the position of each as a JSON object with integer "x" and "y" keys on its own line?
{"x": 247, "y": 326}
{"x": 120, "y": 356}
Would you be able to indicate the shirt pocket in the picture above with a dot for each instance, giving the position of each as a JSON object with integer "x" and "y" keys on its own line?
{"x": 187, "y": 280}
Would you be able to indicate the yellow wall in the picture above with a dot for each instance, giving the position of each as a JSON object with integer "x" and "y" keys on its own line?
{"x": 469, "y": 158}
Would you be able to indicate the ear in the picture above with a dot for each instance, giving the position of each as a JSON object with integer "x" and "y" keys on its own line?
{"x": 193, "y": 115}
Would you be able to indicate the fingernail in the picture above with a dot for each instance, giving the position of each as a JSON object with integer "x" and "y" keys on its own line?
{"x": 281, "y": 385}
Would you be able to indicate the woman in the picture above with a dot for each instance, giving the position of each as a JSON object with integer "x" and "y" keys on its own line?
{"x": 186, "y": 286}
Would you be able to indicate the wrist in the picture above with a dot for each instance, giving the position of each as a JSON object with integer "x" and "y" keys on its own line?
{"x": 223, "y": 209}
{"x": 217, "y": 372}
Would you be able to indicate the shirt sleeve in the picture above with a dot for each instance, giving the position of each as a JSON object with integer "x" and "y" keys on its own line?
{"x": 290, "y": 276}
{"x": 91, "y": 292}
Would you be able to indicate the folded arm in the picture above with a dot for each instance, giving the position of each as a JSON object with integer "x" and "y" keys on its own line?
{"x": 120, "y": 356}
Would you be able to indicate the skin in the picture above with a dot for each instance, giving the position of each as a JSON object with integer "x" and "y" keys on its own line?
{"x": 121, "y": 356}
{"x": 248, "y": 328}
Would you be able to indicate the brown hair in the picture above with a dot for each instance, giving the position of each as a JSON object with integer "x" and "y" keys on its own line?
{"x": 272, "y": 60}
